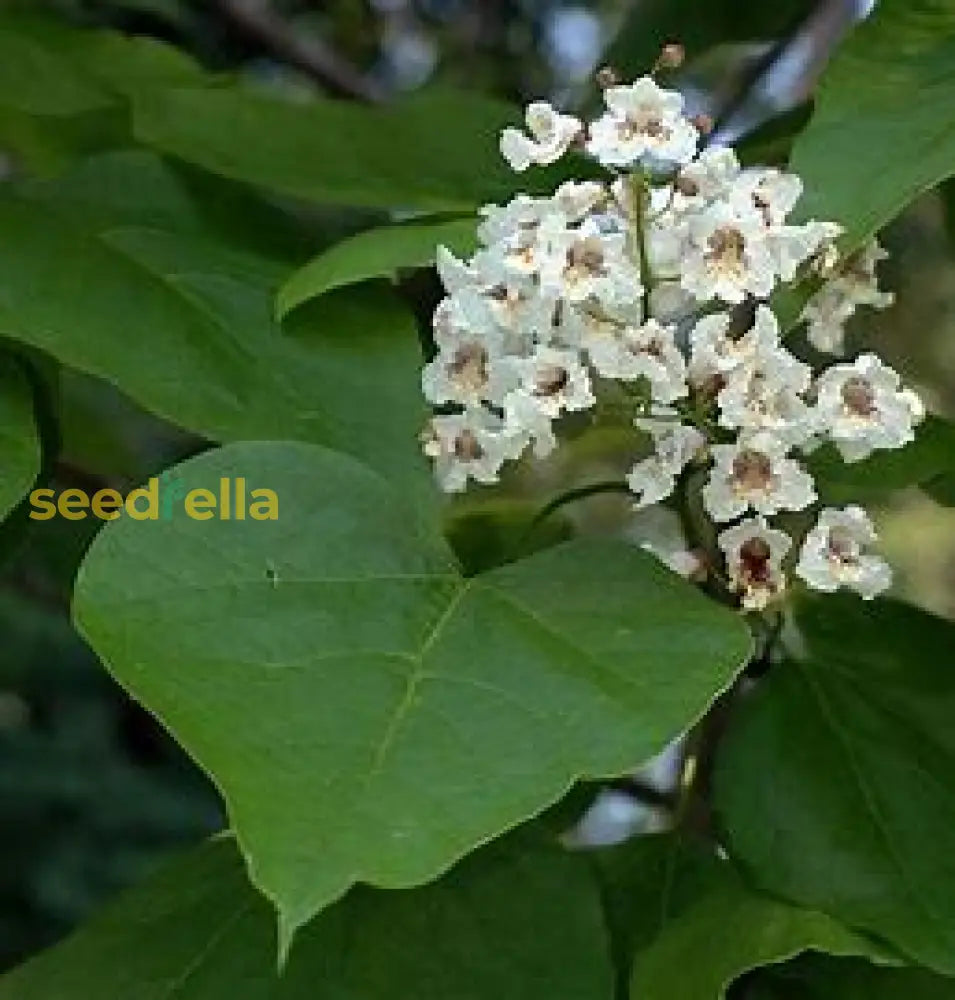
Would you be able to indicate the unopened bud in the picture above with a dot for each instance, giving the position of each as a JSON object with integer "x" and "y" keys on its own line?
{"x": 686, "y": 186}
{"x": 703, "y": 123}
{"x": 672, "y": 56}
{"x": 697, "y": 565}
{"x": 607, "y": 76}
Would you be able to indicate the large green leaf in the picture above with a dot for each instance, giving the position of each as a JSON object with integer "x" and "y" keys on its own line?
{"x": 64, "y": 91}
{"x": 836, "y": 783}
{"x": 823, "y": 978}
{"x": 368, "y": 713}
{"x": 183, "y": 324}
{"x": 437, "y": 152}
{"x": 882, "y": 130}
{"x": 137, "y": 188}
{"x": 19, "y": 444}
{"x": 519, "y": 920}
{"x": 698, "y": 26}
{"x": 669, "y": 900}
{"x": 376, "y": 253}
{"x": 67, "y": 69}
{"x": 124, "y": 65}
{"x": 36, "y": 81}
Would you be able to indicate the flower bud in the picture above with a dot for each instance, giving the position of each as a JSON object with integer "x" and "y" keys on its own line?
{"x": 607, "y": 76}
{"x": 672, "y": 56}
{"x": 686, "y": 186}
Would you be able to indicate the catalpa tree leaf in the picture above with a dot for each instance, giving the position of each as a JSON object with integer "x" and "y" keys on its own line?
{"x": 19, "y": 442}
{"x": 435, "y": 152}
{"x": 819, "y": 977}
{"x": 699, "y": 27}
{"x": 670, "y": 897}
{"x": 37, "y": 81}
{"x": 834, "y": 785}
{"x": 182, "y": 321}
{"x": 519, "y": 919}
{"x": 881, "y": 132}
{"x": 376, "y": 253}
{"x": 369, "y": 714}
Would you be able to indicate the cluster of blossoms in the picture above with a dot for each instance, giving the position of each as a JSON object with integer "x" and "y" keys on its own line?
{"x": 653, "y": 286}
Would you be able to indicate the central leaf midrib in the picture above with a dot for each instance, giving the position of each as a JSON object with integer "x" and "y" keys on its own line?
{"x": 866, "y": 795}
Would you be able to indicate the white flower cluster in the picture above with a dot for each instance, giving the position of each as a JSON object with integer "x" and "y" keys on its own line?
{"x": 652, "y": 286}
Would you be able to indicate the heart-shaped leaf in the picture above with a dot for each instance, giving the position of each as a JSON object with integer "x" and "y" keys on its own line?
{"x": 819, "y": 977}
{"x": 519, "y": 920}
{"x": 154, "y": 302}
{"x": 368, "y": 713}
{"x": 881, "y": 133}
{"x": 669, "y": 897}
{"x": 835, "y": 785}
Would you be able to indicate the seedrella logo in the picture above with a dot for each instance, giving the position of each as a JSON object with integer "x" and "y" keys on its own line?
{"x": 162, "y": 498}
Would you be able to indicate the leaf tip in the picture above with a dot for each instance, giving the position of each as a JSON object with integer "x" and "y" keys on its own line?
{"x": 288, "y": 927}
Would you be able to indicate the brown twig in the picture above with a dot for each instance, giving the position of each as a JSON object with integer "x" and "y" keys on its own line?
{"x": 307, "y": 53}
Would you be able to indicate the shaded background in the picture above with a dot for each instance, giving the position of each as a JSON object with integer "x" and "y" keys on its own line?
{"x": 92, "y": 793}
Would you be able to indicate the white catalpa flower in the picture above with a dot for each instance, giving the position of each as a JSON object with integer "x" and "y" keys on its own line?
{"x": 521, "y": 315}
{"x": 502, "y": 222}
{"x": 594, "y": 265}
{"x": 792, "y": 246}
{"x": 709, "y": 177}
{"x": 627, "y": 353}
{"x": 470, "y": 445}
{"x": 863, "y": 408}
{"x": 456, "y": 276}
{"x": 760, "y": 384}
{"x": 461, "y": 316}
{"x": 714, "y": 353}
{"x": 771, "y": 193}
{"x": 643, "y": 124}
{"x": 552, "y": 382}
{"x": 551, "y": 134}
{"x": 832, "y": 555}
{"x": 755, "y": 473}
{"x": 766, "y": 395}
{"x": 753, "y": 405}
{"x": 675, "y": 445}
{"x": 556, "y": 380}
{"x": 577, "y": 199}
{"x": 754, "y": 555}
{"x": 468, "y": 372}
{"x": 652, "y": 352}
{"x": 856, "y": 284}
{"x": 520, "y": 255}
{"x": 727, "y": 256}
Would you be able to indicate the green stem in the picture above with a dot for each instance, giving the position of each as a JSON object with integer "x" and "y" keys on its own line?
{"x": 571, "y": 496}
{"x": 641, "y": 192}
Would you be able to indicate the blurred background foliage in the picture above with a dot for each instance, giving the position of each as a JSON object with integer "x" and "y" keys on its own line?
{"x": 92, "y": 793}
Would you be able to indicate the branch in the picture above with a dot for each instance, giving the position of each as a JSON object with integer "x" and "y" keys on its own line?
{"x": 308, "y": 54}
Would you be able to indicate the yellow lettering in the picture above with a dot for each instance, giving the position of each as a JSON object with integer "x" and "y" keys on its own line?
{"x": 43, "y": 506}
{"x": 267, "y": 507}
{"x": 200, "y": 504}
